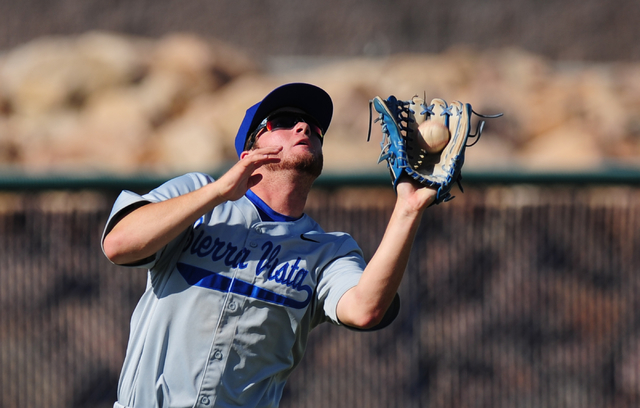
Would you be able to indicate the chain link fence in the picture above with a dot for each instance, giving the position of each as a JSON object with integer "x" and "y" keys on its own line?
{"x": 515, "y": 296}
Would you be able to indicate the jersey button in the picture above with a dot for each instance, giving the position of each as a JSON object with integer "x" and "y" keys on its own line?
{"x": 253, "y": 244}
{"x": 233, "y": 306}
{"x": 217, "y": 355}
{"x": 205, "y": 400}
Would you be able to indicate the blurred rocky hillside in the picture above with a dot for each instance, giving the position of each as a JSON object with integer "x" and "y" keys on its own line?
{"x": 585, "y": 30}
{"x": 106, "y": 102}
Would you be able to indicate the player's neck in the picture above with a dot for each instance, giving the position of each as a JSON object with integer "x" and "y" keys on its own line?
{"x": 284, "y": 192}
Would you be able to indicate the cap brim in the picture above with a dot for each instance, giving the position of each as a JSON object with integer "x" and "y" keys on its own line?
{"x": 310, "y": 98}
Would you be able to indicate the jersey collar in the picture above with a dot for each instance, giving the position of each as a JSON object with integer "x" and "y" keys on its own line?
{"x": 266, "y": 213}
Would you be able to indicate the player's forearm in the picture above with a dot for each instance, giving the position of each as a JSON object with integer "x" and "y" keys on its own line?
{"x": 148, "y": 229}
{"x": 365, "y": 305}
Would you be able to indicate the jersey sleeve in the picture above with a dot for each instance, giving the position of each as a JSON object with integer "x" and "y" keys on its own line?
{"x": 338, "y": 276}
{"x": 128, "y": 201}
{"x": 342, "y": 274}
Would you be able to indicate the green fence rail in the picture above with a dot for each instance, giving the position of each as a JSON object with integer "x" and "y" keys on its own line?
{"x": 15, "y": 181}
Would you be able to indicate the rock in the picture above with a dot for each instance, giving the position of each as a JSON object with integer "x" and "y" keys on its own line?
{"x": 571, "y": 146}
{"x": 117, "y": 103}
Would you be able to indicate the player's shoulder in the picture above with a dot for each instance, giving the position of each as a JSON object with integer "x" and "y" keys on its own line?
{"x": 312, "y": 227}
{"x": 194, "y": 179}
{"x": 341, "y": 242}
{"x": 181, "y": 185}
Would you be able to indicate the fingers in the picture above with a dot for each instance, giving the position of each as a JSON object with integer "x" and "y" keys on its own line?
{"x": 415, "y": 194}
{"x": 235, "y": 182}
{"x": 261, "y": 156}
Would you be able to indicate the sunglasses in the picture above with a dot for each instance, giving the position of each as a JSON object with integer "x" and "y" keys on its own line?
{"x": 284, "y": 120}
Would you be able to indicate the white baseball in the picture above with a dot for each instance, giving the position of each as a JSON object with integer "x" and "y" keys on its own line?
{"x": 434, "y": 136}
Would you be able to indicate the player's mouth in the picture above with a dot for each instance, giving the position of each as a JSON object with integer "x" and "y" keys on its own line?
{"x": 303, "y": 142}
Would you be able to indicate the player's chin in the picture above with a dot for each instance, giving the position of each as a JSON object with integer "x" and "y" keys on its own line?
{"x": 310, "y": 164}
{"x": 314, "y": 166}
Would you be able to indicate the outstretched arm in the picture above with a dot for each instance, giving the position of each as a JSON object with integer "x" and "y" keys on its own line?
{"x": 147, "y": 229}
{"x": 364, "y": 305}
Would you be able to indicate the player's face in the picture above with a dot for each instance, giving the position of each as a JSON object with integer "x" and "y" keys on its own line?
{"x": 301, "y": 143}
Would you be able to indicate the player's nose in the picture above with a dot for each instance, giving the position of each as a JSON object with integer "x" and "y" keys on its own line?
{"x": 303, "y": 127}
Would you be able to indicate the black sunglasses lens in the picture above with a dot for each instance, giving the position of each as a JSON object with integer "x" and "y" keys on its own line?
{"x": 284, "y": 122}
{"x": 287, "y": 121}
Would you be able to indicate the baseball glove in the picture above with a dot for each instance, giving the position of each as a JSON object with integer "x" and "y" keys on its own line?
{"x": 400, "y": 121}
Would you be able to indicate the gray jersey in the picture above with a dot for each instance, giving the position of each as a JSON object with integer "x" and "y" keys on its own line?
{"x": 229, "y": 304}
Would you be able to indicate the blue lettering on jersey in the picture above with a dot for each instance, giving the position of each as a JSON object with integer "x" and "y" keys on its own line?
{"x": 284, "y": 275}
{"x": 201, "y": 277}
{"x": 218, "y": 250}
{"x": 288, "y": 274}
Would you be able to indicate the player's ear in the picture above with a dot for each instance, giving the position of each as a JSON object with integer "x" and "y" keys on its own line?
{"x": 244, "y": 154}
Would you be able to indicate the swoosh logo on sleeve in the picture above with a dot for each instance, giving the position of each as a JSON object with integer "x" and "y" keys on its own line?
{"x": 302, "y": 237}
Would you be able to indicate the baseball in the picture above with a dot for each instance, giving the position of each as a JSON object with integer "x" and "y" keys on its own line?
{"x": 434, "y": 136}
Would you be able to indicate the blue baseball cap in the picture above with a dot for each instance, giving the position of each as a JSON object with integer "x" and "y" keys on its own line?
{"x": 310, "y": 98}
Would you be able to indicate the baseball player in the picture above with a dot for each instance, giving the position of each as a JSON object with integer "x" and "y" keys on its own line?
{"x": 238, "y": 274}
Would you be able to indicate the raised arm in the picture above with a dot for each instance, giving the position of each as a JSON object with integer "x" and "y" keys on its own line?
{"x": 364, "y": 305}
{"x": 147, "y": 229}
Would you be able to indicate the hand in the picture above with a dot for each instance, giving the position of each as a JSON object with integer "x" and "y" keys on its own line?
{"x": 416, "y": 196}
{"x": 240, "y": 178}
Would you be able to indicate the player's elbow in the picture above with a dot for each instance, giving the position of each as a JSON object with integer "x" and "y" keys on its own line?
{"x": 110, "y": 248}
{"x": 115, "y": 249}
{"x": 366, "y": 319}
{"x": 370, "y": 322}
{"x": 361, "y": 312}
